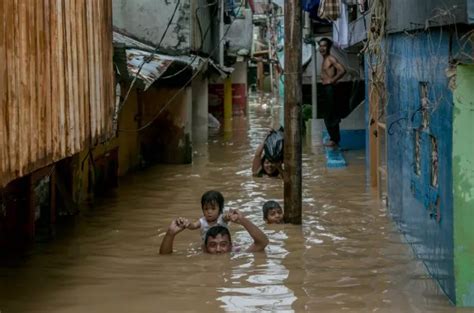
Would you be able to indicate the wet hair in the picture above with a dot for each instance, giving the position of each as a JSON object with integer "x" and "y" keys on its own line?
{"x": 327, "y": 41}
{"x": 216, "y": 230}
{"x": 213, "y": 196}
{"x": 275, "y": 173}
{"x": 269, "y": 205}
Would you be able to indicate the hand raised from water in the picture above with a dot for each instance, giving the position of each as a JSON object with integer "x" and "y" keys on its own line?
{"x": 235, "y": 216}
{"x": 177, "y": 225}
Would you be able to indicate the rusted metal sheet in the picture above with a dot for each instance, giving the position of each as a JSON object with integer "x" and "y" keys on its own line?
{"x": 56, "y": 81}
{"x": 143, "y": 61}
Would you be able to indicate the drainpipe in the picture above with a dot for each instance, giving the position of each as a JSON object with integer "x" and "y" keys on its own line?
{"x": 228, "y": 104}
{"x": 227, "y": 80}
{"x": 221, "y": 33}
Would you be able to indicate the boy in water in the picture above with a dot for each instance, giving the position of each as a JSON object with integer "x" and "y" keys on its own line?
{"x": 272, "y": 212}
{"x": 212, "y": 204}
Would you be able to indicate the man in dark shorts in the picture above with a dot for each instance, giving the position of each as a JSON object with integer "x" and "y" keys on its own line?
{"x": 331, "y": 72}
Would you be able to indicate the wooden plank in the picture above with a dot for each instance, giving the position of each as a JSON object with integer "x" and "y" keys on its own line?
{"x": 110, "y": 55}
{"x": 80, "y": 73}
{"x": 98, "y": 103}
{"x": 48, "y": 121}
{"x": 4, "y": 167}
{"x": 40, "y": 86}
{"x": 75, "y": 77}
{"x": 85, "y": 78}
{"x": 55, "y": 94}
{"x": 13, "y": 98}
{"x": 23, "y": 145}
{"x": 61, "y": 75}
{"x": 33, "y": 82}
{"x": 92, "y": 86}
{"x": 69, "y": 99}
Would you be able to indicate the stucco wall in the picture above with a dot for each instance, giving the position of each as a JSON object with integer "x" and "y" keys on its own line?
{"x": 146, "y": 20}
{"x": 405, "y": 15}
{"x": 423, "y": 212}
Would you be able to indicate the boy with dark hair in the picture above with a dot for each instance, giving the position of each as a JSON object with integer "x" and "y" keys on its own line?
{"x": 272, "y": 212}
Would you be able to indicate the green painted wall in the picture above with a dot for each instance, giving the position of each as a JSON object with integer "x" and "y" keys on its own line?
{"x": 463, "y": 184}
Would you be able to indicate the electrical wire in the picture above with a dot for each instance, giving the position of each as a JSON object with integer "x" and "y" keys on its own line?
{"x": 148, "y": 58}
{"x": 149, "y": 123}
{"x": 202, "y": 42}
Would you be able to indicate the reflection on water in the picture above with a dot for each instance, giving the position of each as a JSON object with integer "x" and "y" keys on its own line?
{"x": 347, "y": 256}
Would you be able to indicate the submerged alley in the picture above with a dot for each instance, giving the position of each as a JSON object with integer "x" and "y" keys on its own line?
{"x": 347, "y": 255}
{"x": 353, "y": 116}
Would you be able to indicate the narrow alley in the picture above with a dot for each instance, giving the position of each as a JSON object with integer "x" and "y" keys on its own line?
{"x": 348, "y": 256}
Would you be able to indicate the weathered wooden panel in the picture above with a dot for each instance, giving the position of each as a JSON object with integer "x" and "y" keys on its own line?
{"x": 56, "y": 81}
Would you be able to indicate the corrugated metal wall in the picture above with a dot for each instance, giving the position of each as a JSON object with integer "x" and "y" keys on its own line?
{"x": 56, "y": 81}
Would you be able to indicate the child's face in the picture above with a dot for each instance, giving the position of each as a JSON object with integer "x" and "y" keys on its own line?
{"x": 211, "y": 211}
{"x": 275, "y": 216}
{"x": 268, "y": 167}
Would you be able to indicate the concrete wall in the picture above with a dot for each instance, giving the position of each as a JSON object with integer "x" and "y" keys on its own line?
{"x": 203, "y": 27}
{"x": 463, "y": 185}
{"x": 423, "y": 212}
{"x": 128, "y": 143}
{"x": 404, "y": 15}
{"x": 200, "y": 110}
{"x": 146, "y": 20}
{"x": 167, "y": 139}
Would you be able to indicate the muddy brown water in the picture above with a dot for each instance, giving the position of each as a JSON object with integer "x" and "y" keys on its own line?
{"x": 346, "y": 257}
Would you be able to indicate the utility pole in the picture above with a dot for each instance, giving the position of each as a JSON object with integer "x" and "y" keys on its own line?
{"x": 293, "y": 119}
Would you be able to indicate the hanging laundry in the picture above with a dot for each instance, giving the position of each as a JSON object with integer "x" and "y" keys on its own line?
{"x": 340, "y": 28}
{"x": 329, "y": 9}
{"x": 310, "y": 5}
{"x": 229, "y": 7}
{"x": 363, "y": 5}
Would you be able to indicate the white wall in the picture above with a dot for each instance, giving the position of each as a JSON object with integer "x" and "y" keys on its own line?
{"x": 146, "y": 21}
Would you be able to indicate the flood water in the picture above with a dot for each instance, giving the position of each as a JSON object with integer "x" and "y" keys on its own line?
{"x": 347, "y": 255}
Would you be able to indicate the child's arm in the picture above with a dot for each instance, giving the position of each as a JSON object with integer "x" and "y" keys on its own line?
{"x": 194, "y": 225}
{"x": 257, "y": 160}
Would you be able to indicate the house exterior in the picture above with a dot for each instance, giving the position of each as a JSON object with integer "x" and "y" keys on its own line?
{"x": 418, "y": 66}
{"x": 56, "y": 100}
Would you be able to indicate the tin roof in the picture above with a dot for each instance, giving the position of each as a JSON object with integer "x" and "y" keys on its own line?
{"x": 148, "y": 66}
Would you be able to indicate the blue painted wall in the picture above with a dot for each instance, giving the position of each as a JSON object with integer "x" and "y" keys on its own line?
{"x": 424, "y": 213}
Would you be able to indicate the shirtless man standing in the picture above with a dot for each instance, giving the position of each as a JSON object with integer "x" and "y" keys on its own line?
{"x": 331, "y": 72}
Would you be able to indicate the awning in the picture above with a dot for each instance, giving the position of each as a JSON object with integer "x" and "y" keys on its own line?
{"x": 132, "y": 54}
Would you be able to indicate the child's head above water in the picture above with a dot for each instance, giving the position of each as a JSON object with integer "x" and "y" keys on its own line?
{"x": 212, "y": 204}
{"x": 272, "y": 212}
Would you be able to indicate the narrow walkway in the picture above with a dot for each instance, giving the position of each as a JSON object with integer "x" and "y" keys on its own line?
{"x": 347, "y": 256}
